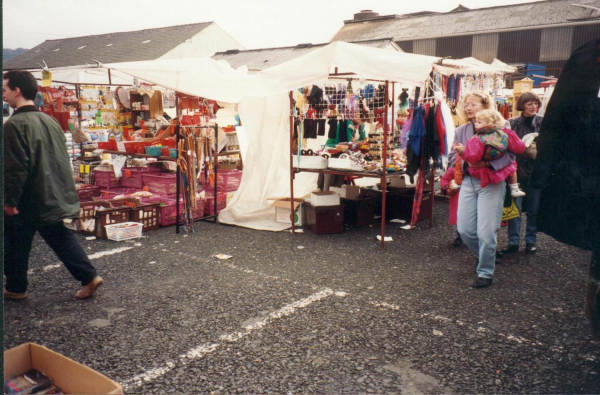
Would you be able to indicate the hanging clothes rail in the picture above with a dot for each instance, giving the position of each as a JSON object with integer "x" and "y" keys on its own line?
{"x": 193, "y": 163}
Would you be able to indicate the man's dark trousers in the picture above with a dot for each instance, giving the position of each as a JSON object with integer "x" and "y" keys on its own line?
{"x": 18, "y": 238}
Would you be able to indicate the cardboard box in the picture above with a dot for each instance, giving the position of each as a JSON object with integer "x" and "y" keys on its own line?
{"x": 350, "y": 192}
{"x": 324, "y": 199}
{"x": 282, "y": 211}
{"x": 71, "y": 377}
{"x": 402, "y": 182}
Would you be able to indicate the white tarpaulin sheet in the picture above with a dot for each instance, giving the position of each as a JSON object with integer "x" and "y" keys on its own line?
{"x": 364, "y": 62}
{"x": 85, "y": 75}
{"x": 205, "y": 77}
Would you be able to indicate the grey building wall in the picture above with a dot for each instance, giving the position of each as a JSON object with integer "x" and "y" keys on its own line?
{"x": 485, "y": 47}
{"x": 424, "y": 47}
{"x": 556, "y": 43}
{"x": 550, "y": 46}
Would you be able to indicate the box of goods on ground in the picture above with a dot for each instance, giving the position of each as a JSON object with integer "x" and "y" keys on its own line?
{"x": 31, "y": 368}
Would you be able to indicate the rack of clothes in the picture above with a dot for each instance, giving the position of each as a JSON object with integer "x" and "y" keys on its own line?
{"x": 455, "y": 86}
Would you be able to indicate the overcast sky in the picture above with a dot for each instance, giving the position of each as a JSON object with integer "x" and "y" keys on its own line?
{"x": 254, "y": 23}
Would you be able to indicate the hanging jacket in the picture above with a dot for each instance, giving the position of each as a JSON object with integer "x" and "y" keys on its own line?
{"x": 316, "y": 95}
{"x": 441, "y": 128}
{"x": 413, "y": 150}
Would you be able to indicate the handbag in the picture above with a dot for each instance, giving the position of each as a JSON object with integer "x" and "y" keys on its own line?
{"x": 510, "y": 212}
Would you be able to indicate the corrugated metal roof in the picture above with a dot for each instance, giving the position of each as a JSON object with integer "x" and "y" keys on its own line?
{"x": 106, "y": 48}
{"x": 261, "y": 59}
{"x": 520, "y": 16}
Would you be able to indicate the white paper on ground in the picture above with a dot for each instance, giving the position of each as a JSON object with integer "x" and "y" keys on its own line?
{"x": 406, "y": 227}
{"x": 399, "y": 221}
{"x": 222, "y": 256}
{"x": 386, "y": 238}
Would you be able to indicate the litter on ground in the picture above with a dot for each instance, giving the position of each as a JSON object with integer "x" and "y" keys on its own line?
{"x": 222, "y": 256}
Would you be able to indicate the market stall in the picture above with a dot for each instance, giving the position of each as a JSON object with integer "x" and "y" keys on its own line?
{"x": 267, "y": 116}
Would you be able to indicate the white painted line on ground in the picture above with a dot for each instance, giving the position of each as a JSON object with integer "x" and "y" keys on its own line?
{"x": 92, "y": 257}
{"x": 109, "y": 252}
{"x": 207, "y": 348}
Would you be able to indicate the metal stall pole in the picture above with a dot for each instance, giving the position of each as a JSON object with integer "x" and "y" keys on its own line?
{"x": 77, "y": 94}
{"x": 215, "y": 166}
{"x": 384, "y": 177}
{"x": 292, "y": 161}
{"x": 432, "y": 197}
{"x": 177, "y": 216}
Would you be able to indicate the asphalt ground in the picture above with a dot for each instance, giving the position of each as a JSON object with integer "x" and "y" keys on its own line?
{"x": 336, "y": 316}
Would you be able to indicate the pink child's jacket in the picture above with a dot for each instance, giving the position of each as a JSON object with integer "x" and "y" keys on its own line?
{"x": 445, "y": 182}
{"x": 474, "y": 150}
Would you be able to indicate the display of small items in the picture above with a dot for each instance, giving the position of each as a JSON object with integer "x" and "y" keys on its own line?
{"x": 31, "y": 382}
{"x": 375, "y": 141}
{"x": 139, "y": 106}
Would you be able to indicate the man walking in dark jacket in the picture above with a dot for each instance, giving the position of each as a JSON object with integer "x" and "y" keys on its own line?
{"x": 39, "y": 191}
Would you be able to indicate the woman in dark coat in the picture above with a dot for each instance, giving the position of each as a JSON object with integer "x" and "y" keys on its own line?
{"x": 567, "y": 168}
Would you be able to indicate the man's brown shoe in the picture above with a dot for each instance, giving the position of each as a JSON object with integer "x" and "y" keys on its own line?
{"x": 90, "y": 288}
{"x": 14, "y": 295}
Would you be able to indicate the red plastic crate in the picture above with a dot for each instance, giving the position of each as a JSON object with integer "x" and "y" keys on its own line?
{"x": 227, "y": 181}
{"x": 209, "y": 206}
{"x": 108, "y": 145}
{"x": 105, "y": 178}
{"x": 168, "y": 213}
{"x": 132, "y": 176}
{"x": 87, "y": 192}
{"x": 165, "y": 184}
{"x": 135, "y": 147}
